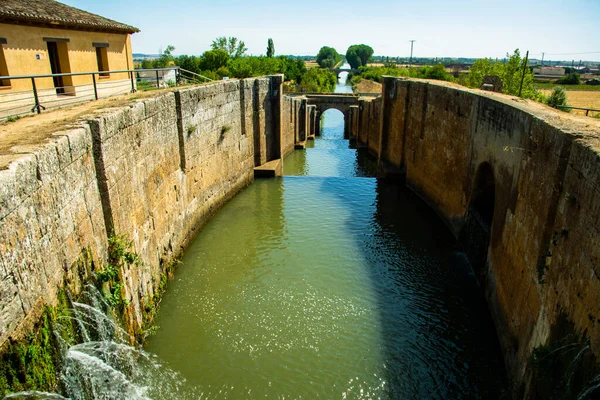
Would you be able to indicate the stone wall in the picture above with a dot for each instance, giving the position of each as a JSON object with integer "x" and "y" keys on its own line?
{"x": 291, "y": 119}
{"x": 541, "y": 272}
{"x": 153, "y": 171}
{"x": 369, "y": 121}
{"x": 50, "y": 218}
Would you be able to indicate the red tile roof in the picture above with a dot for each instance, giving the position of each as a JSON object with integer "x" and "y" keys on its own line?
{"x": 58, "y": 15}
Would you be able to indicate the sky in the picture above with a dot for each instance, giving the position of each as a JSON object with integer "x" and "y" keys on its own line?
{"x": 563, "y": 30}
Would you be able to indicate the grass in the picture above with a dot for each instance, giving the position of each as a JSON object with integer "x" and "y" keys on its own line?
{"x": 550, "y": 86}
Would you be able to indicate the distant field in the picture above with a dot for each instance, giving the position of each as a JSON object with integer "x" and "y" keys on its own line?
{"x": 550, "y": 86}
{"x": 311, "y": 64}
{"x": 579, "y": 98}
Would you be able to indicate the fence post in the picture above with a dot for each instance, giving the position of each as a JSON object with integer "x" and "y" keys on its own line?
{"x": 132, "y": 81}
{"x": 36, "y": 106}
{"x": 95, "y": 89}
{"x": 157, "y": 82}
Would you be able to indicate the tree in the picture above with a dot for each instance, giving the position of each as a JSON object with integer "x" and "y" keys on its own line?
{"x": 235, "y": 48}
{"x": 189, "y": 63}
{"x": 270, "y": 48}
{"x": 318, "y": 80}
{"x": 353, "y": 59}
{"x": 572, "y": 78}
{"x": 165, "y": 58}
{"x": 293, "y": 70}
{"x": 214, "y": 59}
{"x": 510, "y": 72}
{"x": 363, "y": 52}
{"x": 328, "y": 57}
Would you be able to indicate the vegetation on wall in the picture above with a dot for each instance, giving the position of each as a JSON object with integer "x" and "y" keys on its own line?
{"x": 33, "y": 362}
{"x": 565, "y": 367}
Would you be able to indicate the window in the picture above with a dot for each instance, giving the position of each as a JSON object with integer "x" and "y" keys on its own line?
{"x": 102, "y": 58}
{"x": 3, "y": 68}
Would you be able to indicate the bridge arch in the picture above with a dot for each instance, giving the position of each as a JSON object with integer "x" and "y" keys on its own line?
{"x": 343, "y": 108}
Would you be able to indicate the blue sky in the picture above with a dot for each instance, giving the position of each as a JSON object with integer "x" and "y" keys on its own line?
{"x": 442, "y": 28}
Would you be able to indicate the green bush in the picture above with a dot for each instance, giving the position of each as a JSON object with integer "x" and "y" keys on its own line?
{"x": 317, "y": 80}
{"x": 558, "y": 98}
{"x": 570, "y": 79}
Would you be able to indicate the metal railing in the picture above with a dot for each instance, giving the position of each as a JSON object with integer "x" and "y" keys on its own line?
{"x": 325, "y": 94}
{"x": 100, "y": 85}
{"x": 587, "y": 110}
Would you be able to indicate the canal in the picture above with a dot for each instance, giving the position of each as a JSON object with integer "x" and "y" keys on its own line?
{"x": 327, "y": 283}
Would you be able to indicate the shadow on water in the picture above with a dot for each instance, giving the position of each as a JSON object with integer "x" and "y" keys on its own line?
{"x": 438, "y": 337}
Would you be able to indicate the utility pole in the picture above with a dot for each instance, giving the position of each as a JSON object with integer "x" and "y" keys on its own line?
{"x": 524, "y": 68}
{"x": 411, "y": 52}
{"x": 542, "y": 59}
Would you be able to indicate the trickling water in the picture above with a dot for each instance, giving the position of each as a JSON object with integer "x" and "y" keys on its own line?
{"x": 105, "y": 366}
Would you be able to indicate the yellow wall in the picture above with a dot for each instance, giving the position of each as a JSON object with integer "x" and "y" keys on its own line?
{"x": 25, "y": 44}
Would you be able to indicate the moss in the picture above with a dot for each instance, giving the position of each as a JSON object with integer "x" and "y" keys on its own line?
{"x": 152, "y": 304}
{"x": 33, "y": 362}
{"x": 565, "y": 367}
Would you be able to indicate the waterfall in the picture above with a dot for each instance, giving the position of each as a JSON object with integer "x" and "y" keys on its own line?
{"x": 104, "y": 365}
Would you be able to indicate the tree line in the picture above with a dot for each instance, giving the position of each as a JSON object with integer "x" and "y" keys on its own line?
{"x": 227, "y": 58}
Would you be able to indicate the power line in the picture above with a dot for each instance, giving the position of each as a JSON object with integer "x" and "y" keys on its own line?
{"x": 568, "y": 54}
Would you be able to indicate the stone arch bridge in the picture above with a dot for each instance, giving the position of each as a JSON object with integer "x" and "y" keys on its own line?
{"x": 337, "y": 71}
{"x": 313, "y": 105}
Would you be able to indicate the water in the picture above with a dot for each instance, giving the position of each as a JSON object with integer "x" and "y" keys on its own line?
{"x": 330, "y": 284}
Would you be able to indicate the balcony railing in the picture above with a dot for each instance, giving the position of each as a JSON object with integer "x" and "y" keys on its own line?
{"x": 100, "y": 84}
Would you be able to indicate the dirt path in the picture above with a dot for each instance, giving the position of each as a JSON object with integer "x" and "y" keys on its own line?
{"x": 27, "y": 134}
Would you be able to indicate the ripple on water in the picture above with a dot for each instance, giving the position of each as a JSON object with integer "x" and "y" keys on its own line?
{"x": 308, "y": 287}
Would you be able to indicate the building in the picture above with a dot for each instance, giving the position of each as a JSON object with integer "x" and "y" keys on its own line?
{"x": 549, "y": 71}
{"x": 48, "y": 37}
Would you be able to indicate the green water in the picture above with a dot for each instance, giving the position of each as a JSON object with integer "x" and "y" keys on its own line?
{"x": 327, "y": 284}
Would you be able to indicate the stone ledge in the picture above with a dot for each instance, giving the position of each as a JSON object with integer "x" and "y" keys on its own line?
{"x": 269, "y": 169}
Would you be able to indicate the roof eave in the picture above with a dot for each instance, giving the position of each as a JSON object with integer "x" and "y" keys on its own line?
{"x": 126, "y": 29}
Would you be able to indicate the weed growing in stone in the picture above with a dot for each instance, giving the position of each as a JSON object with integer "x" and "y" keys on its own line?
{"x": 109, "y": 277}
